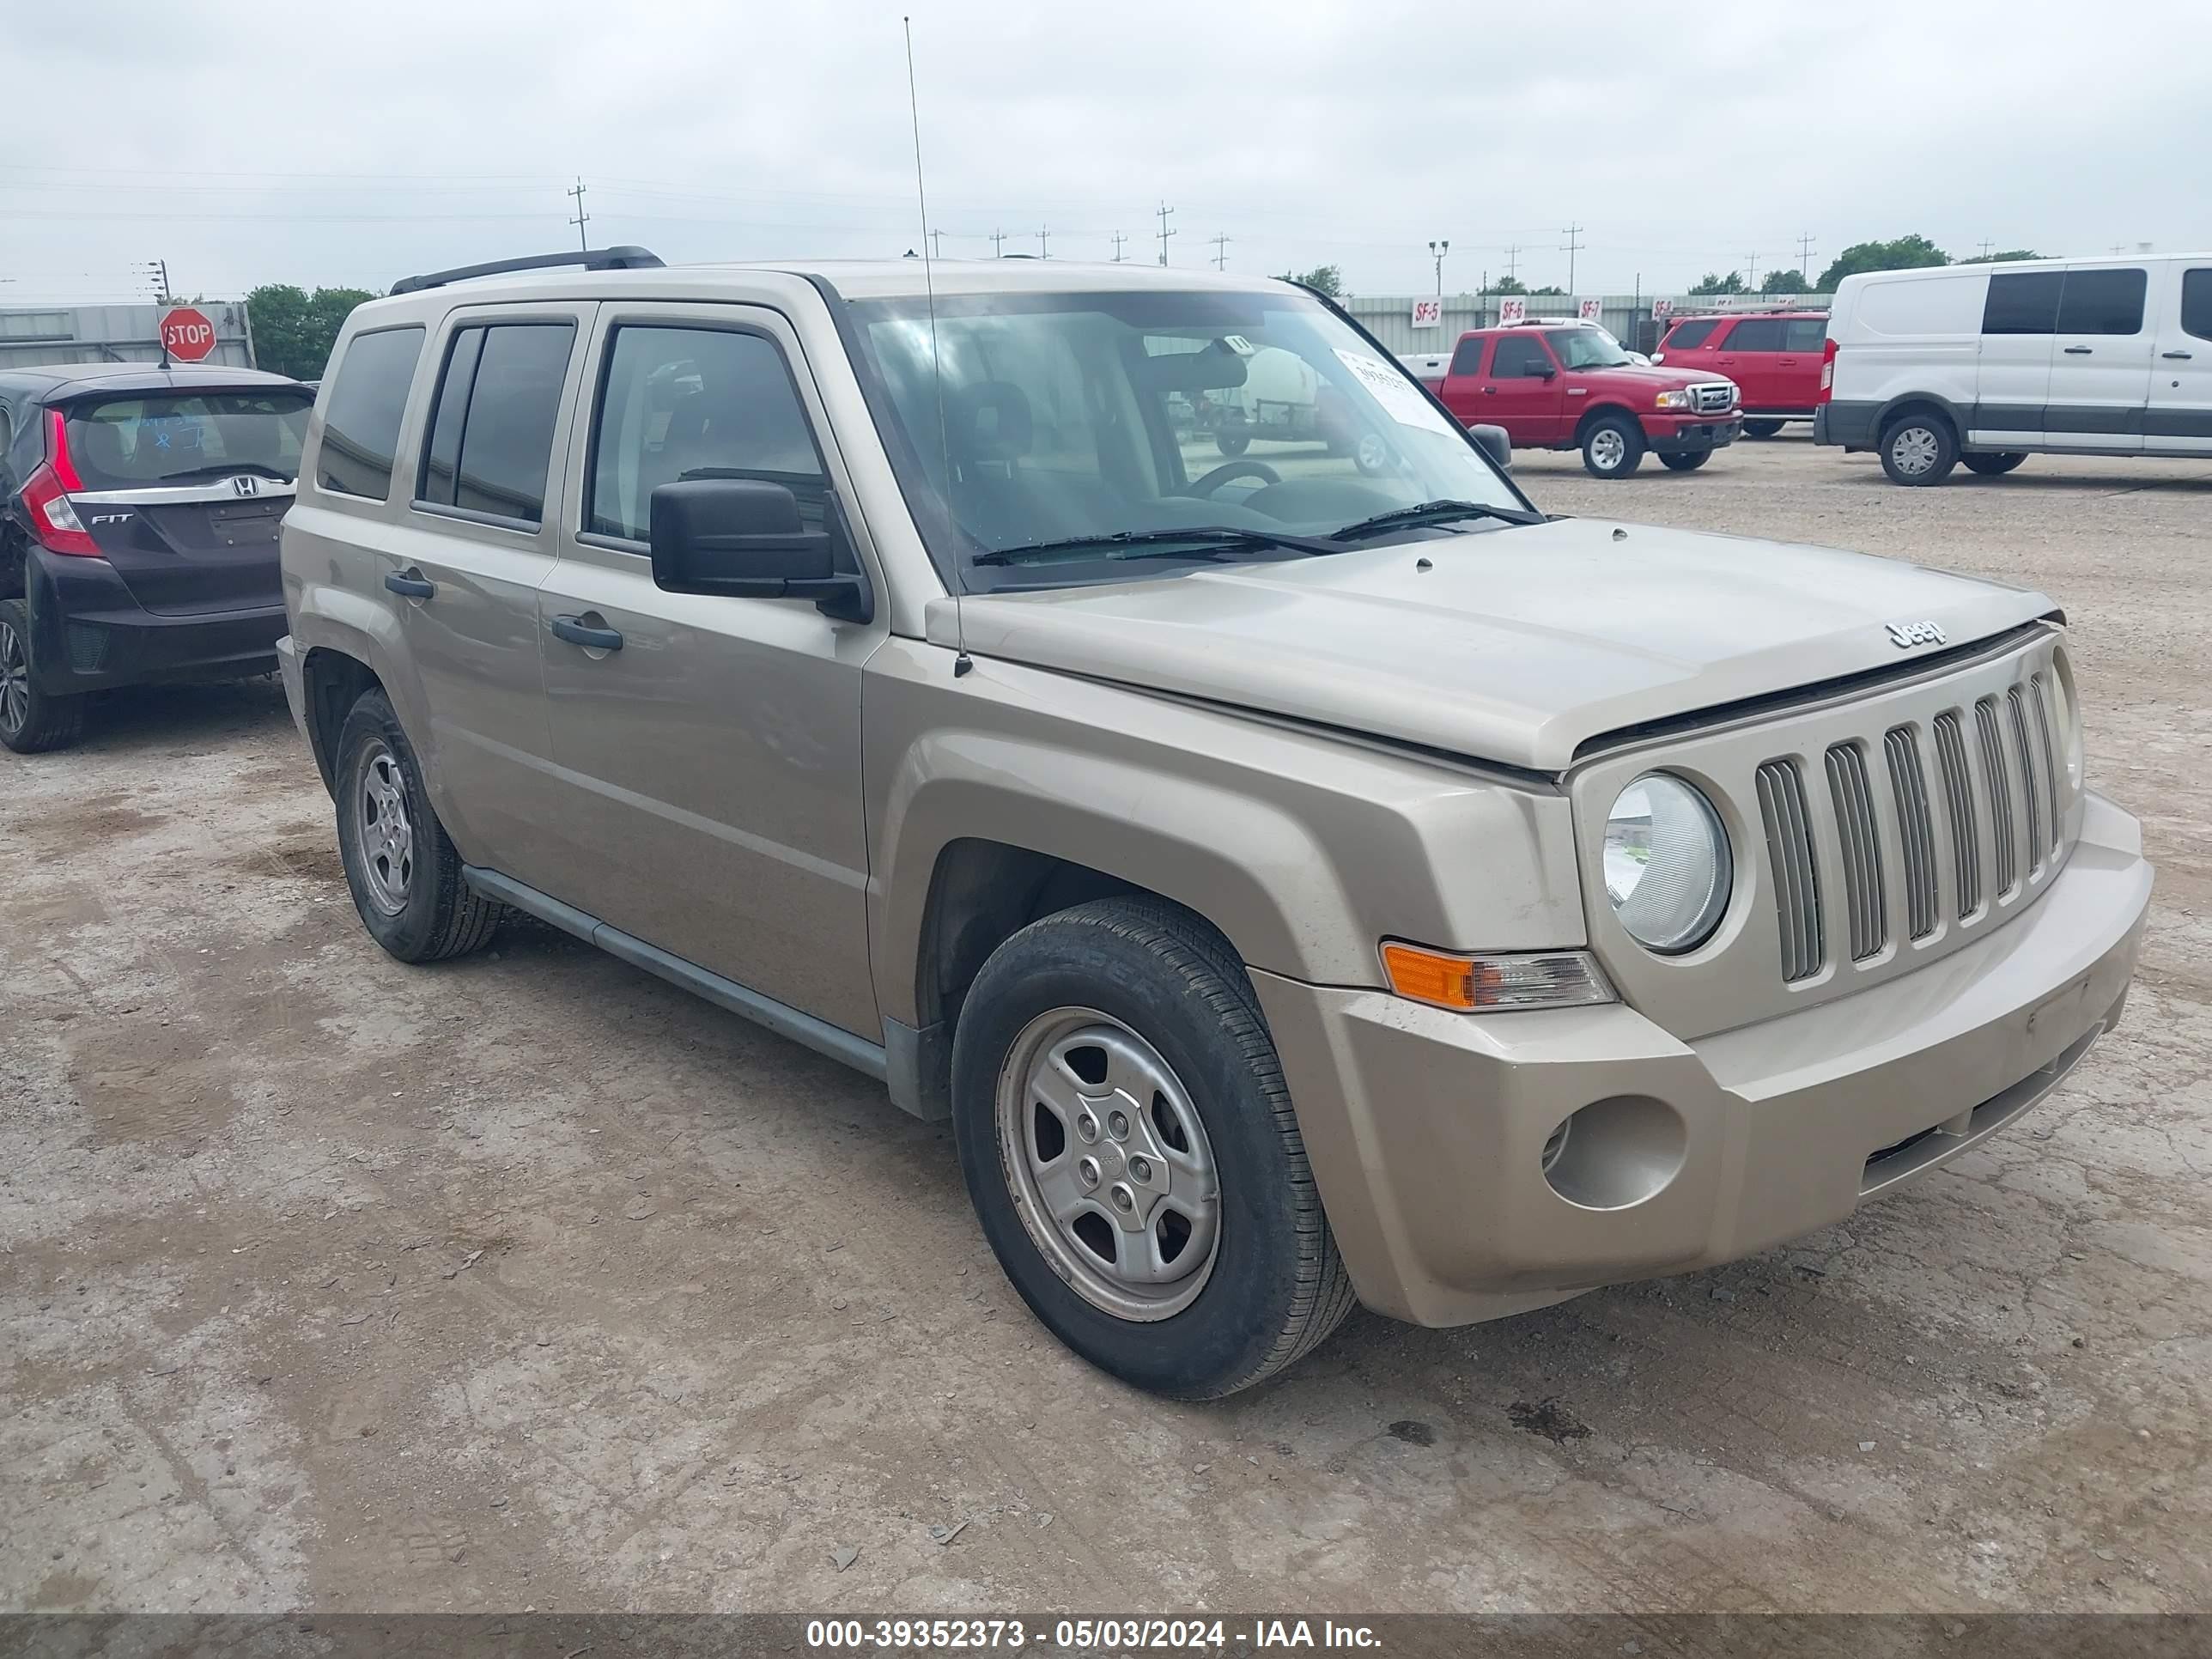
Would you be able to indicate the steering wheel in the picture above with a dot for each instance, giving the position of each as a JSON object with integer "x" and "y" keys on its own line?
{"x": 1222, "y": 474}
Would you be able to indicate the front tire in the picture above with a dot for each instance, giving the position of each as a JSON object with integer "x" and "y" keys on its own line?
{"x": 1994, "y": 466}
{"x": 402, "y": 868}
{"x": 1613, "y": 447}
{"x": 32, "y": 722}
{"x": 1130, "y": 1149}
{"x": 1686, "y": 462}
{"x": 1919, "y": 449}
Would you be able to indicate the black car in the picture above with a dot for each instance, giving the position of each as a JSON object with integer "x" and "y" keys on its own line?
{"x": 138, "y": 515}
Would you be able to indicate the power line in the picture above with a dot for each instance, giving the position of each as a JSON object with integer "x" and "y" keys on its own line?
{"x": 582, "y": 218}
{"x": 1571, "y": 246}
{"x": 1165, "y": 210}
{"x": 1221, "y": 250}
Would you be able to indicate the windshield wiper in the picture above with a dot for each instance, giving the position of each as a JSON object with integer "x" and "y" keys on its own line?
{"x": 223, "y": 470}
{"x": 1429, "y": 513}
{"x": 1203, "y": 541}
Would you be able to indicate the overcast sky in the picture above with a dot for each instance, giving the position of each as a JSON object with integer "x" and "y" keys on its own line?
{"x": 352, "y": 142}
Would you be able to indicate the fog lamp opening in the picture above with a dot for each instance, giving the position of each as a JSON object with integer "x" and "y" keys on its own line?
{"x": 1617, "y": 1152}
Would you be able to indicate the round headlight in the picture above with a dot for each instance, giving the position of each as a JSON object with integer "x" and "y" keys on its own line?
{"x": 1666, "y": 863}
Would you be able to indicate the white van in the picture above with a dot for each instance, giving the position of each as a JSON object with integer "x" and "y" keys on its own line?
{"x": 1989, "y": 364}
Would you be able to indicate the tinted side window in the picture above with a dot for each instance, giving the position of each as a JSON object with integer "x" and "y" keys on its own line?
{"x": 1807, "y": 334}
{"x": 2102, "y": 302}
{"x": 2196, "y": 301}
{"x": 361, "y": 427}
{"x": 1521, "y": 356}
{"x": 1467, "y": 356}
{"x": 695, "y": 403}
{"x": 491, "y": 437}
{"x": 2023, "y": 302}
{"x": 1688, "y": 337}
{"x": 1756, "y": 334}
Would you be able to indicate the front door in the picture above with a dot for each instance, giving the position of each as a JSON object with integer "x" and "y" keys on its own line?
{"x": 711, "y": 745}
{"x": 2180, "y": 420}
{"x": 2100, "y": 360}
{"x": 1522, "y": 392}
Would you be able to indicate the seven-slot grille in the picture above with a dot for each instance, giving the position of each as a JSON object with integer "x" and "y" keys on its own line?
{"x": 2007, "y": 785}
{"x": 1715, "y": 398}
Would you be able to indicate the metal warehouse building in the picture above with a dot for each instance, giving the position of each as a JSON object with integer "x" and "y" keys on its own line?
{"x": 113, "y": 334}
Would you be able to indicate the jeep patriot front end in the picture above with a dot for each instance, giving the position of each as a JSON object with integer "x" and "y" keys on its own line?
{"x": 1306, "y": 876}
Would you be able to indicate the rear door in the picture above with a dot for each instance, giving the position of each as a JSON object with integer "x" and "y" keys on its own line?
{"x": 2180, "y": 418}
{"x": 2012, "y": 384}
{"x": 1797, "y": 370}
{"x": 1747, "y": 355}
{"x": 183, "y": 490}
{"x": 1523, "y": 390}
{"x": 2100, "y": 360}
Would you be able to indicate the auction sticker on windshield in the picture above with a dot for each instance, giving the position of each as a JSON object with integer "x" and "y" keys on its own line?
{"x": 1401, "y": 398}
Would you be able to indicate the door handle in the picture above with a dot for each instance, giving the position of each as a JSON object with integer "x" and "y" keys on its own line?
{"x": 577, "y": 631}
{"x": 409, "y": 586}
{"x": 2079, "y": 351}
{"x": 2182, "y": 356}
{"x": 1490, "y": 391}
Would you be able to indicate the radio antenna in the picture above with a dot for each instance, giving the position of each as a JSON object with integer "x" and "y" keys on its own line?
{"x": 962, "y": 663}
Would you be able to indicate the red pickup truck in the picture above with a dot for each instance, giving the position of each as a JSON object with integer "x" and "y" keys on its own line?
{"x": 1570, "y": 386}
{"x": 1774, "y": 357}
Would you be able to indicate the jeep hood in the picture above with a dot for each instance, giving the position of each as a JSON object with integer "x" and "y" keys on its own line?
{"x": 1515, "y": 645}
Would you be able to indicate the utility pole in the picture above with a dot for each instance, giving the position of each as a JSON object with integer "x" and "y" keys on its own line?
{"x": 1751, "y": 283}
{"x": 158, "y": 270}
{"x": 582, "y": 218}
{"x": 1805, "y": 256}
{"x": 938, "y": 237}
{"x": 1437, "y": 252}
{"x": 1164, "y": 213}
{"x": 1044, "y": 241}
{"x": 1513, "y": 262}
{"x": 1571, "y": 246}
{"x": 1986, "y": 245}
{"x": 1118, "y": 240}
{"x": 1221, "y": 241}
{"x": 998, "y": 245}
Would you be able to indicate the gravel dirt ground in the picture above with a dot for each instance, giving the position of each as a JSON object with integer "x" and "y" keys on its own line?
{"x": 529, "y": 1281}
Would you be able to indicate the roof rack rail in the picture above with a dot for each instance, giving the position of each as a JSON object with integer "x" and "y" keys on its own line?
{"x": 591, "y": 259}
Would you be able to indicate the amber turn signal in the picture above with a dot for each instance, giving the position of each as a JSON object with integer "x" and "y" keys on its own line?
{"x": 1472, "y": 984}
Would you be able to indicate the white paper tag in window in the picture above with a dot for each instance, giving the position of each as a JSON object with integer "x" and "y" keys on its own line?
{"x": 1401, "y": 399}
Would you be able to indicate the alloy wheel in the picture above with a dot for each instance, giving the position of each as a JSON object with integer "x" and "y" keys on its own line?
{"x": 387, "y": 839}
{"x": 14, "y": 680}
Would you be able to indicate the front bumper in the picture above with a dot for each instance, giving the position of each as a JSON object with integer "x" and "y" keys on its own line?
{"x": 1426, "y": 1129}
{"x": 1667, "y": 436}
{"x": 88, "y": 634}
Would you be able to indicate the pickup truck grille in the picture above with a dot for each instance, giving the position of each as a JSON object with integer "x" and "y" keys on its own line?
{"x": 1876, "y": 826}
{"x": 1715, "y": 397}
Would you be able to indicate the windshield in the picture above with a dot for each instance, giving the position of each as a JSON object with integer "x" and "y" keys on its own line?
{"x": 1072, "y": 417}
{"x": 137, "y": 443}
{"x": 1587, "y": 348}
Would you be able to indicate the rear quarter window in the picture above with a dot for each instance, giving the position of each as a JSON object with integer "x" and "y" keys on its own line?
{"x": 361, "y": 423}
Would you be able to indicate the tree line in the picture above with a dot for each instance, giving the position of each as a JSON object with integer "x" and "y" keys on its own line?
{"x": 1900, "y": 253}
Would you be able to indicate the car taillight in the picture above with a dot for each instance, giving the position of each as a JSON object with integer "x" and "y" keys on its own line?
{"x": 46, "y": 497}
{"x": 1827, "y": 372}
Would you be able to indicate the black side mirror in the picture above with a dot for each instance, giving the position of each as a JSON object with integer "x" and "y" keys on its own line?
{"x": 1495, "y": 443}
{"x": 1545, "y": 372}
{"x": 744, "y": 538}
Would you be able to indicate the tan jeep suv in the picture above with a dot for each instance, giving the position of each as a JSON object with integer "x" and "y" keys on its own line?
{"x": 1308, "y": 877}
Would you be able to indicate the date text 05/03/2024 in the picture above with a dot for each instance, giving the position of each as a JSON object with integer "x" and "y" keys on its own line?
{"x": 1215, "y": 1636}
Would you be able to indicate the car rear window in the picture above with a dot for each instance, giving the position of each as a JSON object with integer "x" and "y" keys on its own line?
{"x": 1756, "y": 334}
{"x": 361, "y": 422}
{"x": 1688, "y": 337}
{"x": 186, "y": 437}
{"x": 2103, "y": 301}
{"x": 1805, "y": 334}
{"x": 491, "y": 435}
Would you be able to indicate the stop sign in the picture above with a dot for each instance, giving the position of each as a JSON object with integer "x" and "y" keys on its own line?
{"x": 186, "y": 334}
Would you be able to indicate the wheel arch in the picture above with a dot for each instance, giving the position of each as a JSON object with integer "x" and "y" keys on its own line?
{"x": 1914, "y": 403}
{"x": 1598, "y": 412}
{"x": 332, "y": 680}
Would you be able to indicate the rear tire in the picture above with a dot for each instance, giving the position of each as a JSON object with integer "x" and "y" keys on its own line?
{"x": 1919, "y": 449}
{"x": 1613, "y": 447}
{"x": 402, "y": 868}
{"x": 1112, "y": 1058}
{"x": 32, "y": 722}
{"x": 1689, "y": 462}
{"x": 1761, "y": 428}
{"x": 1232, "y": 437}
{"x": 1996, "y": 466}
